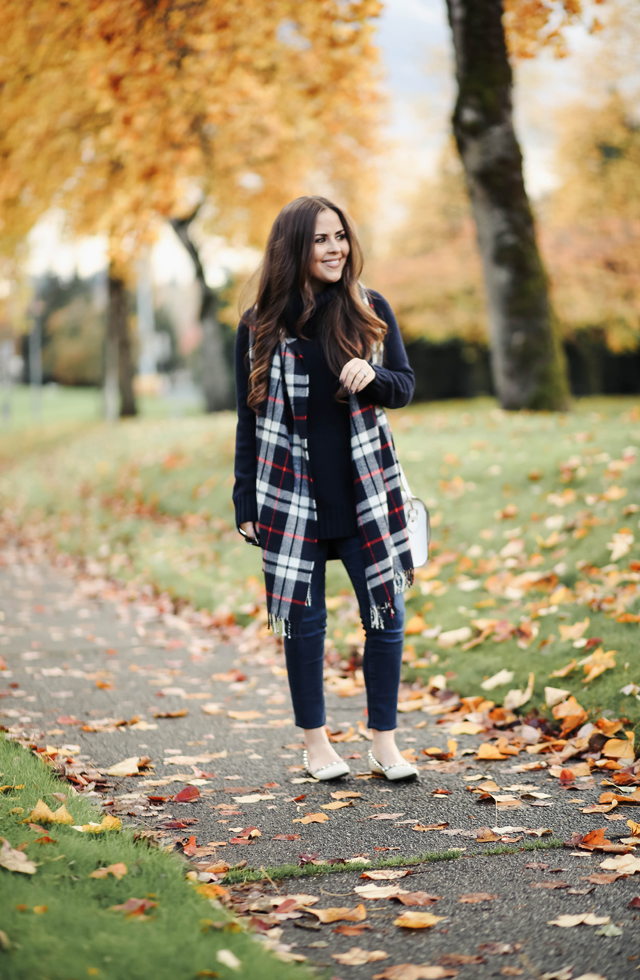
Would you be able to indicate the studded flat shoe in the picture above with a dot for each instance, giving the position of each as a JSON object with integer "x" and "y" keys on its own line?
{"x": 332, "y": 771}
{"x": 400, "y": 770}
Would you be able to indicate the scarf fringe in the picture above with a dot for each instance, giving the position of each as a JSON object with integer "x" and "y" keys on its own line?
{"x": 378, "y": 614}
{"x": 402, "y": 580}
{"x": 279, "y": 625}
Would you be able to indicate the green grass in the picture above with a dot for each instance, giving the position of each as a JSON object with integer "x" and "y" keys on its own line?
{"x": 538, "y": 845}
{"x": 150, "y": 500}
{"x": 280, "y": 871}
{"x": 79, "y": 935}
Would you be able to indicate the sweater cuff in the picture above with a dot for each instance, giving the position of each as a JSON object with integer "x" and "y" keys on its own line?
{"x": 246, "y": 509}
{"x": 379, "y": 386}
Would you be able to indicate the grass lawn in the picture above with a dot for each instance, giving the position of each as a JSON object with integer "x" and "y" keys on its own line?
{"x": 528, "y": 511}
{"x": 59, "y": 924}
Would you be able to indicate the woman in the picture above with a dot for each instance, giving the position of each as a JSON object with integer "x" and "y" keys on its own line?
{"x": 316, "y": 473}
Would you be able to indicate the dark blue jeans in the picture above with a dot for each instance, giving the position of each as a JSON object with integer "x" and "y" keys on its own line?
{"x": 382, "y": 649}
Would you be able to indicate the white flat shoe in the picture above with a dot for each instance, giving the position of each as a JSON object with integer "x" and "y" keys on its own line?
{"x": 401, "y": 770}
{"x": 332, "y": 771}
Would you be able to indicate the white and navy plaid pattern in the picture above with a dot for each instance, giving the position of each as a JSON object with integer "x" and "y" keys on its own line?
{"x": 286, "y": 506}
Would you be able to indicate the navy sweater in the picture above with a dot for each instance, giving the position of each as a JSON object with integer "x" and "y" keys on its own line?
{"x": 328, "y": 423}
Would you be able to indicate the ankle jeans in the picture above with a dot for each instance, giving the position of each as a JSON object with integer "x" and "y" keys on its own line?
{"x": 382, "y": 650}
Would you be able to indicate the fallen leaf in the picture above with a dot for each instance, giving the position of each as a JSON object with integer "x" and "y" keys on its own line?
{"x": 312, "y": 818}
{"x": 587, "y": 919}
{"x": 618, "y": 748}
{"x": 564, "y": 671}
{"x": 384, "y": 874}
{"x": 502, "y": 677}
{"x": 212, "y": 709}
{"x": 336, "y": 805}
{"x": 625, "y": 863}
{"x": 245, "y": 715}
{"x": 549, "y": 884}
{"x": 187, "y": 795}
{"x": 227, "y": 958}
{"x": 128, "y": 767}
{"x": 554, "y": 695}
{"x": 218, "y": 867}
{"x": 41, "y": 813}
{"x": 575, "y": 631}
{"x": 474, "y": 897}
{"x": 466, "y": 728}
{"x": 15, "y": 860}
{"x": 634, "y": 903}
{"x": 135, "y": 906}
{"x": 254, "y": 798}
{"x": 417, "y": 898}
{"x": 350, "y": 930}
{"x": 358, "y": 957}
{"x": 595, "y": 839}
{"x": 424, "y": 827}
{"x": 287, "y": 837}
{"x": 599, "y": 879}
{"x": 452, "y": 637}
{"x": 417, "y": 920}
{"x": 117, "y": 870}
{"x": 171, "y": 714}
{"x": 385, "y": 816}
{"x": 358, "y": 914}
{"x": 489, "y": 752}
{"x": 373, "y": 892}
{"x": 109, "y": 822}
{"x": 411, "y": 971}
{"x": 345, "y": 794}
{"x": 515, "y": 698}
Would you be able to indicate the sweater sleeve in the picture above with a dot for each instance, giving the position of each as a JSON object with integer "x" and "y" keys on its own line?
{"x": 394, "y": 383}
{"x": 244, "y": 491}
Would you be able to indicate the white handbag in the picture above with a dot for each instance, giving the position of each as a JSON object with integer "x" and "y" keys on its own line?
{"x": 418, "y": 524}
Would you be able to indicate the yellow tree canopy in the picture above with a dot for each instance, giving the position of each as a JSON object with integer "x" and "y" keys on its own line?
{"x": 531, "y": 25}
{"x": 120, "y": 113}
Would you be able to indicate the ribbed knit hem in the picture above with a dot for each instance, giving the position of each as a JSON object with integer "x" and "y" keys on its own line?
{"x": 337, "y": 523}
{"x": 246, "y": 509}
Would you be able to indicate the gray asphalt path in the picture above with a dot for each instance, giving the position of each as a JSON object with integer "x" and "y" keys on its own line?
{"x": 81, "y": 653}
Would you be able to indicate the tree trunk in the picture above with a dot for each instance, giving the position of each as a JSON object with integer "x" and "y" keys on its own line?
{"x": 528, "y": 364}
{"x": 217, "y": 389}
{"x": 119, "y": 345}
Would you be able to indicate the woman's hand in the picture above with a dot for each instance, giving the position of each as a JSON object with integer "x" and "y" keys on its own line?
{"x": 250, "y": 529}
{"x": 356, "y": 375}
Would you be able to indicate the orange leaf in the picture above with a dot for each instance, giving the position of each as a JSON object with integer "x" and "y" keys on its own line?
{"x": 117, "y": 870}
{"x": 417, "y": 920}
{"x": 358, "y": 914}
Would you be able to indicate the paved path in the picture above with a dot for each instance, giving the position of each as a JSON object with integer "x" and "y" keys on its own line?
{"x": 89, "y": 668}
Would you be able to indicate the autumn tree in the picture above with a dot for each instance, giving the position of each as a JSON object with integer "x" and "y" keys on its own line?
{"x": 527, "y": 359}
{"x": 123, "y": 114}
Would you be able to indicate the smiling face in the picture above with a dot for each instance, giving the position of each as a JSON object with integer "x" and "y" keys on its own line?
{"x": 330, "y": 250}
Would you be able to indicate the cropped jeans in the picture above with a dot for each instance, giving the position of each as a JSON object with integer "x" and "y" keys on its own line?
{"x": 382, "y": 650}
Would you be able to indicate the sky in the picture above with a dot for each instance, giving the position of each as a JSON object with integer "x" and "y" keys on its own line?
{"x": 416, "y": 56}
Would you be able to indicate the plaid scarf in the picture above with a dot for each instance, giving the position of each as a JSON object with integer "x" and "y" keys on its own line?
{"x": 287, "y": 509}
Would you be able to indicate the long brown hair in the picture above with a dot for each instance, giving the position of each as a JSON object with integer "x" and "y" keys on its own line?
{"x": 350, "y": 327}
